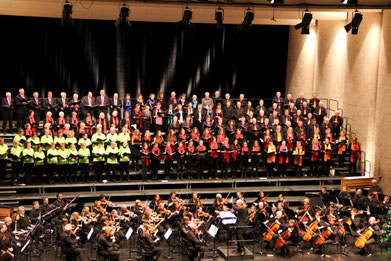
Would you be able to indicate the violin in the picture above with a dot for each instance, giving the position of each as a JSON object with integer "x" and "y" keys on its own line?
{"x": 360, "y": 242}
{"x": 251, "y": 217}
{"x": 268, "y": 235}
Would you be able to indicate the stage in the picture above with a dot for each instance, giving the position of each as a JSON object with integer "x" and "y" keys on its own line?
{"x": 267, "y": 255}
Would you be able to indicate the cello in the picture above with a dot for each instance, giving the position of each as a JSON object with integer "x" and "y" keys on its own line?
{"x": 274, "y": 227}
{"x": 284, "y": 237}
{"x": 323, "y": 237}
{"x": 360, "y": 242}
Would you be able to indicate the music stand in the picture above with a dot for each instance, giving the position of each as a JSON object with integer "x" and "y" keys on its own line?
{"x": 167, "y": 236}
{"x": 128, "y": 236}
{"x": 213, "y": 230}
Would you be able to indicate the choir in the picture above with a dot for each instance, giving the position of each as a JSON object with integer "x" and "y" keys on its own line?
{"x": 109, "y": 138}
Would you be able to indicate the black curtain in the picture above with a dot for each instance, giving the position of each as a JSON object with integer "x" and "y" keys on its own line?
{"x": 40, "y": 55}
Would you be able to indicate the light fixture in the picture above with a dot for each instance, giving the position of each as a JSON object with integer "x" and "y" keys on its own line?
{"x": 349, "y": 2}
{"x": 123, "y": 18}
{"x": 187, "y": 15}
{"x": 355, "y": 24}
{"x": 305, "y": 23}
{"x": 219, "y": 17}
{"x": 276, "y": 1}
{"x": 67, "y": 14}
{"x": 248, "y": 18}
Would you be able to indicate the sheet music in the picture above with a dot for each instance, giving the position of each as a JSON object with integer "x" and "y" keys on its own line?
{"x": 213, "y": 230}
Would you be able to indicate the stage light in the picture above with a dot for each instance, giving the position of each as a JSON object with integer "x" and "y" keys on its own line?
{"x": 354, "y": 24}
{"x": 187, "y": 15}
{"x": 248, "y": 18}
{"x": 123, "y": 18}
{"x": 349, "y": 2}
{"x": 219, "y": 17}
{"x": 67, "y": 14}
{"x": 305, "y": 23}
{"x": 276, "y": 1}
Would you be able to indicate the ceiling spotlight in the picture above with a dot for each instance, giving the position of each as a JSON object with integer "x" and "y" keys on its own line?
{"x": 67, "y": 14}
{"x": 276, "y": 1}
{"x": 305, "y": 23}
{"x": 354, "y": 24}
{"x": 248, "y": 18}
{"x": 123, "y": 18}
{"x": 219, "y": 17}
{"x": 187, "y": 15}
{"x": 349, "y": 2}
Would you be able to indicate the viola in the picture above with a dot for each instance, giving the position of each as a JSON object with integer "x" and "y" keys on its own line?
{"x": 251, "y": 218}
{"x": 268, "y": 235}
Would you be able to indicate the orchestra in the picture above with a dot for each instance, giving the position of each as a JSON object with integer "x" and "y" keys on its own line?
{"x": 309, "y": 227}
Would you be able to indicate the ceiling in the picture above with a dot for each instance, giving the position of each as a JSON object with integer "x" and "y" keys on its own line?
{"x": 203, "y": 12}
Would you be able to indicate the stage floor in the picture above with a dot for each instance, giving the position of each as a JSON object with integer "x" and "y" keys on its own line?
{"x": 384, "y": 256}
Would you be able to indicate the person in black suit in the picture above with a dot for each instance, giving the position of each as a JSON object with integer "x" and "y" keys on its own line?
{"x": 107, "y": 248}
{"x": 116, "y": 104}
{"x": 319, "y": 113}
{"x": 70, "y": 245}
{"x": 241, "y": 220}
{"x": 194, "y": 244}
{"x": 8, "y": 105}
{"x": 103, "y": 103}
{"x": 36, "y": 105}
{"x": 21, "y": 108}
{"x": 199, "y": 116}
{"x": 62, "y": 105}
{"x": 49, "y": 103}
{"x": 87, "y": 105}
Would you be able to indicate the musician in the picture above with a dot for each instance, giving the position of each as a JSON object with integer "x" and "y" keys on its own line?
{"x": 194, "y": 243}
{"x": 21, "y": 108}
{"x": 241, "y": 220}
{"x": 70, "y": 244}
{"x": 24, "y": 221}
{"x": 150, "y": 243}
{"x": 298, "y": 154}
{"x": 375, "y": 188}
{"x": 196, "y": 201}
{"x": 386, "y": 202}
{"x": 45, "y": 207}
{"x": 344, "y": 193}
{"x": 107, "y": 248}
{"x": 112, "y": 160}
{"x": 8, "y": 105}
{"x": 35, "y": 213}
{"x": 359, "y": 198}
{"x": 87, "y": 105}
{"x": 333, "y": 229}
{"x": 341, "y": 146}
{"x": 10, "y": 240}
{"x": 293, "y": 239}
{"x": 59, "y": 202}
{"x": 6, "y": 252}
{"x": 325, "y": 196}
{"x": 253, "y": 221}
{"x": 376, "y": 233}
{"x": 102, "y": 102}
{"x": 115, "y": 103}
{"x": 201, "y": 159}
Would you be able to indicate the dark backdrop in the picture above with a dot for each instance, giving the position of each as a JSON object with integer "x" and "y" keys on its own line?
{"x": 38, "y": 54}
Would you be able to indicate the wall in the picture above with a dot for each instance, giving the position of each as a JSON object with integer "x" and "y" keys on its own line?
{"x": 353, "y": 69}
